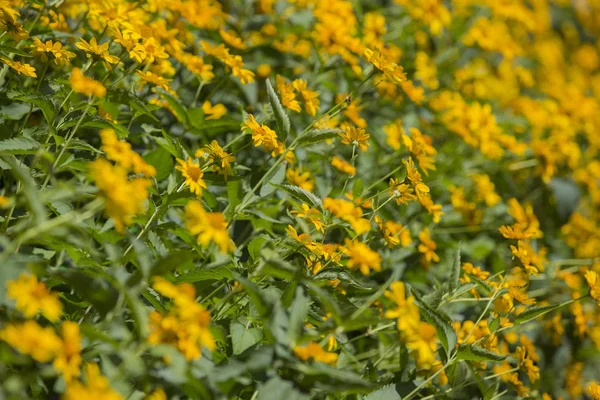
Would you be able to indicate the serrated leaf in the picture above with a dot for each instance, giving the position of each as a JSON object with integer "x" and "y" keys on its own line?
{"x": 283, "y": 122}
{"x": 302, "y": 194}
{"x": 332, "y": 274}
{"x": 18, "y": 145}
{"x": 445, "y": 332}
{"x": 477, "y": 353}
{"x": 318, "y": 135}
{"x": 387, "y": 392}
{"x": 455, "y": 272}
{"x": 482, "y": 284}
{"x": 534, "y": 312}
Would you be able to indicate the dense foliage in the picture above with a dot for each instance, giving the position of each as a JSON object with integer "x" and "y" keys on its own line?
{"x": 329, "y": 199}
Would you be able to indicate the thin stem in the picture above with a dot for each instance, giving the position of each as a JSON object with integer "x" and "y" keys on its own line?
{"x": 67, "y": 142}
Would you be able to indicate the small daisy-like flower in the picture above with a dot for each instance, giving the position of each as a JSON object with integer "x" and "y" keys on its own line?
{"x": 193, "y": 175}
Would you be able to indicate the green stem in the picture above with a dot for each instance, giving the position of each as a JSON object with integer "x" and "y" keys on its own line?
{"x": 65, "y": 145}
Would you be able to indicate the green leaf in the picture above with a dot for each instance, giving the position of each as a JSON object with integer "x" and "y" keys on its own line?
{"x": 277, "y": 389}
{"x": 455, "y": 273}
{"x": 177, "y": 108}
{"x": 97, "y": 291}
{"x": 301, "y": 194}
{"x": 161, "y": 160}
{"x": 357, "y": 188}
{"x": 257, "y": 298}
{"x": 534, "y": 312}
{"x": 242, "y": 337}
{"x": 283, "y": 122}
{"x": 171, "y": 262}
{"x": 18, "y": 145}
{"x": 233, "y": 195}
{"x": 255, "y": 246}
{"x": 477, "y": 353}
{"x": 44, "y": 103}
{"x": 387, "y": 392}
{"x": 205, "y": 274}
{"x": 318, "y": 135}
{"x": 445, "y": 332}
{"x": 8, "y": 50}
{"x": 277, "y": 178}
{"x": 297, "y": 315}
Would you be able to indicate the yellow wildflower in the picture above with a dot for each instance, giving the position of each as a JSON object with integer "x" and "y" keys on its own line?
{"x": 343, "y": 166}
{"x": 193, "y": 174}
{"x": 315, "y": 352}
{"x": 361, "y": 257}
{"x": 219, "y": 158}
{"x": 98, "y": 51}
{"x": 96, "y": 386}
{"x": 355, "y": 136}
{"x": 30, "y": 338}
{"x": 302, "y": 179}
{"x": 262, "y": 135}
{"x": 186, "y": 325}
{"x": 88, "y": 86}
{"x": 428, "y": 246}
{"x": 68, "y": 358}
{"x": 22, "y": 69}
{"x": 213, "y": 112}
{"x": 311, "y": 98}
{"x": 210, "y": 227}
{"x": 286, "y": 91}
{"x": 33, "y": 297}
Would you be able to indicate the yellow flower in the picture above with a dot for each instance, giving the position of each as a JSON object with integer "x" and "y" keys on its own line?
{"x": 262, "y": 135}
{"x": 311, "y": 214}
{"x": 186, "y": 325}
{"x": 197, "y": 66}
{"x": 402, "y": 192}
{"x": 286, "y": 92}
{"x": 60, "y": 55}
{"x": 382, "y": 62}
{"x": 4, "y": 201}
{"x": 157, "y": 394}
{"x": 407, "y": 313}
{"x": 210, "y": 227}
{"x": 193, "y": 175}
{"x": 96, "y": 386}
{"x": 147, "y": 52}
{"x": 33, "y": 297}
{"x": 593, "y": 282}
{"x": 213, "y": 112}
{"x": 232, "y": 39}
{"x": 22, "y": 69}
{"x": 302, "y": 179}
{"x": 219, "y": 158}
{"x": 30, "y": 338}
{"x": 263, "y": 70}
{"x": 393, "y": 233}
{"x": 98, "y": 51}
{"x": 68, "y": 358}
{"x": 422, "y": 345}
{"x": 120, "y": 152}
{"x": 155, "y": 80}
{"x": 311, "y": 98}
{"x": 428, "y": 246}
{"x": 346, "y": 211}
{"x": 355, "y": 136}
{"x": 124, "y": 198}
{"x": 594, "y": 390}
{"x": 343, "y": 166}
{"x": 362, "y": 257}
{"x": 315, "y": 352}
{"x": 88, "y": 86}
